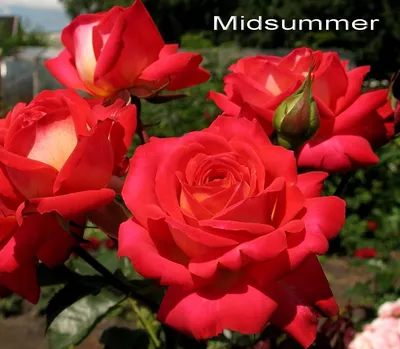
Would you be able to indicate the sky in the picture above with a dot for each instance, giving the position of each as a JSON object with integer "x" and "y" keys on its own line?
{"x": 46, "y": 15}
{"x": 45, "y": 4}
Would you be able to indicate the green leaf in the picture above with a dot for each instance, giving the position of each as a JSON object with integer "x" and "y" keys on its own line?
{"x": 76, "y": 322}
{"x": 127, "y": 269}
{"x": 124, "y": 338}
{"x": 70, "y": 294}
{"x": 109, "y": 259}
{"x": 384, "y": 282}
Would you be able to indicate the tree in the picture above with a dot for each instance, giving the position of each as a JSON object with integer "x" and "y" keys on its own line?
{"x": 9, "y": 44}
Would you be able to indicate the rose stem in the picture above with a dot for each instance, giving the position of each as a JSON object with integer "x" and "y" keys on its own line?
{"x": 112, "y": 279}
{"x": 344, "y": 181}
{"x": 145, "y": 324}
{"x": 141, "y": 130}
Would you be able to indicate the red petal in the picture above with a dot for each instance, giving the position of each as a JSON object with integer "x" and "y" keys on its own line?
{"x": 207, "y": 312}
{"x": 260, "y": 249}
{"x": 311, "y": 184}
{"x": 168, "y": 49}
{"x": 361, "y": 118}
{"x": 293, "y": 316}
{"x": 64, "y": 70}
{"x": 68, "y": 206}
{"x": 260, "y": 206}
{"x": 224, "y": 103}
{"x": 309, "y": 284}
{"x": 325, "y": 215}
{"x": 131, "y": 47}
{"x": 143, "y": 169}
{"x": 171, "y": 64}
{"x": 337, "y": 154}
{"x": 30, "y": 177}
{"x": 168, "y": 263}
{"x": 355, "y": 77}
{"x": 330, "y": 80}
{"x": 23, "y": 282}
{"x": 188, "y": 77}
{"x": 241, "y": 129}
{"x": 90, "y": 165}
{"x": 10, "y": 195}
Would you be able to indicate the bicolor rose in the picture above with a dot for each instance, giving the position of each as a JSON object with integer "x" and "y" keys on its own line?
{"x": 57, "y": 160}
{"x": 223, "y": 219}
{"x": 350, "y": 123}
{"x": 122, "y": 49}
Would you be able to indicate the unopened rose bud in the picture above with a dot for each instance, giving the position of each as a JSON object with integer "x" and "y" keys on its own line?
{"x": 296, "y": 120}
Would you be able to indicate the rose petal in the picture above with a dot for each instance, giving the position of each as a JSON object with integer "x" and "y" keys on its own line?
{"x": 63, "y": 69}
{"x": 325, "y": 215}
{"x": 30, "y": 177}
{"x": 168, "y": 263}
{"x": 355, "y": 78}
{"x": 129, "y": 51}
{"x": 92, "y": 155}
{"x": 68, "y": 206}
{"x": 311, "y": 184}
{"x": 207, "y": 312}
{"x": 338, "y": 153}
{"x": 262, "y": 248}
{"x": 143, "y": 169}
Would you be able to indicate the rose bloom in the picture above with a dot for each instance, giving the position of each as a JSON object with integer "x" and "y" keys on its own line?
{"x": 390, "y": 309}
{"x": 57, "y": 159}
{"x": 365, "y": 253}
{"x": 223, "y": 219}
{"x": 372, "y": 225}
{"x": 122, "y": 49}
{"x": 381, "y": 333}
{"x": 351, "y": 124}
{"x": 57, "y": 148}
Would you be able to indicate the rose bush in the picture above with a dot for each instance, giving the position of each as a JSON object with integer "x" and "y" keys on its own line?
{"x": 225, "y": 222}
{"x": 351, "y": 123}
{"x": 122, "y": 49}
{"x": 57, "y": 158}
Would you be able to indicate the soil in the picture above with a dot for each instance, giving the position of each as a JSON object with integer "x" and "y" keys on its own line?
{"x": 27, "y": 331}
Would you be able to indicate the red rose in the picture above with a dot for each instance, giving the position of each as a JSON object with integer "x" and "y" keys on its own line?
{"x": 349, "y": 122}
{"x": 56, "y": 152}
{"x": 365, "y": 253}
{"x": 56, "y": 160}
{"x": 122, "y": 49}
{"x": 372, "y": 225}
{"x": 222, "y": 218}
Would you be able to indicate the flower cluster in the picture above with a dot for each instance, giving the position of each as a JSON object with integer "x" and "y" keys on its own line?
{"x": 383, "y": 332}
{"x": 221, "y": 217}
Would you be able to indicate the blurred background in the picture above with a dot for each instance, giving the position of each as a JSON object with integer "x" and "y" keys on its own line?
{"x": 363, "y": 265}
